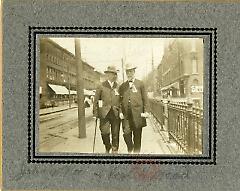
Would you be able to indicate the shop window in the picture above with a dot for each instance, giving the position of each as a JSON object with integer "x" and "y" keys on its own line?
{"x": 195, "y": 82}
{"x": 196, "y": 103}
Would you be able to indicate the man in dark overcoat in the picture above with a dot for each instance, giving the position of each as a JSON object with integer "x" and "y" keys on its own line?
{"x": 106, "y": 107}
{"x": 134, "y": 109}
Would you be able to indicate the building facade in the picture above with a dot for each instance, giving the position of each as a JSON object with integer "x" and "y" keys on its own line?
{"x": 58, "y": 73}
{"x": 180, "y": 73}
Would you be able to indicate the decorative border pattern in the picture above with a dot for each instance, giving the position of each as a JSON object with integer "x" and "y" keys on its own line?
{"x": 123, "y": 159}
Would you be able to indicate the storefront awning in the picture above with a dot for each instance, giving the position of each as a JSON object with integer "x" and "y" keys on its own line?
{"x": 89, "y": 92}
{"x": 60, "y": 90}
{"x": 86, "y": 92}
{"x": 173, "y": 85}
{"x": 73, "y": 92}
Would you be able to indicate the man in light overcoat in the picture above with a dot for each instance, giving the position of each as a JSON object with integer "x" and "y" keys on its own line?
{"x": 106, "y": 107}
{"x": 134, "y": 108}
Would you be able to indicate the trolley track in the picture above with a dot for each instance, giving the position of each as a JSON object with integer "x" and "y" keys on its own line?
{"x": 53, "y": 127}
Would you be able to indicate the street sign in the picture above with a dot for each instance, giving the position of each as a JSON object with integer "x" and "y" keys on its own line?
{"x": 197, "y": 89}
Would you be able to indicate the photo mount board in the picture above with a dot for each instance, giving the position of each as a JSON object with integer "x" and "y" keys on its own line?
{"x": 21, "y": 170}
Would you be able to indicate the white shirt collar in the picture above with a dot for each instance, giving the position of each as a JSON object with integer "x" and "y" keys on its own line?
{"x": 110, "y": 83}
{"x": 132, "y": 80}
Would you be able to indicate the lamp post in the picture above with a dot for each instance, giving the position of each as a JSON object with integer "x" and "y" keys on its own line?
{"x": 69, "y": 86}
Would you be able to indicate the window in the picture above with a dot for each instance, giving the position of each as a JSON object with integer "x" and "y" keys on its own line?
{"x": 47, "y": 72}
{"x": 181, "y": 86}
{"x": 181, "y": 67}
{"x": 195, "y": 82}
{"x": 193, "y": 45}
{"x": 196, "y": 103}
{"x": 194, "y": 66}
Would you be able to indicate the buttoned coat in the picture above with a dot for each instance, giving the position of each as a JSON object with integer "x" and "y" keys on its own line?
{"x": 110, "y": 98}
{"x": 138, "y": 99}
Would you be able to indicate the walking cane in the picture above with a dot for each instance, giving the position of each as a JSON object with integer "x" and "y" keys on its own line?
{"x": 95, "y": 131}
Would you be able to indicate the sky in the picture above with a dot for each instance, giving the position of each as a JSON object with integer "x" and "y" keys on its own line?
{"x": 102, "y": 52}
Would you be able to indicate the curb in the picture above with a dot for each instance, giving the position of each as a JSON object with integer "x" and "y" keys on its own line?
{"x": 57, "y": 111}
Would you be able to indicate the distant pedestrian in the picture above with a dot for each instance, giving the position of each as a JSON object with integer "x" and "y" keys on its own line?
{"x": 52, "y": 103}
{"x": 87, "y": 102}
{"x": 92, "y": 98}
{"x": 134, "y": 107}
{"x": 106, "y": 107}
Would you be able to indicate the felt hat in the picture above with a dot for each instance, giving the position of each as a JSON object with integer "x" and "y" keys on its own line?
{"x": 130, "y": 66}
{"x": 111, "y": 69}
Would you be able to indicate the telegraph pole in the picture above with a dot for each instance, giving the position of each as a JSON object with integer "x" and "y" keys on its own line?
{"x": 123, "y": 69}
{"x": 80, "y": 92}
{"x": 69, "y": 86}
{"x": 154, "y": 76}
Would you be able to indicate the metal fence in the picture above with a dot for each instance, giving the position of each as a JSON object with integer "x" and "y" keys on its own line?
{"x": 182, "y": 121}
{"x": 157, "y": 109}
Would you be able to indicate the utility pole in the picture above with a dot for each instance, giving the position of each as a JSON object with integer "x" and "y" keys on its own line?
{"x": 80, "y": 93}
{"x": 123, "y": 69}
{"x": 153, "y": 74}
{"x": 69, "y": 86}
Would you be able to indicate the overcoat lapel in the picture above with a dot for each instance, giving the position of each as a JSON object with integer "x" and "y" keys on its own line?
{"x": 125, "y": 87}
{"x": 114, "y": 85}
{"x": 106, "y": 84}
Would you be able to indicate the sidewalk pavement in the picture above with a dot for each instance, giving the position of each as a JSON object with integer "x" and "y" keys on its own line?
{"x": 49, "y": 110}
{"x": 153, "y": 142}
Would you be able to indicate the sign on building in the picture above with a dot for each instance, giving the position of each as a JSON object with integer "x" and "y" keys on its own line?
{"x": 197, "y": 89}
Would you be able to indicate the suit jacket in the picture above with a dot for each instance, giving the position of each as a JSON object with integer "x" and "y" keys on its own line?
{"x": 110, "y": 98}
{"x": 138, "y": 99}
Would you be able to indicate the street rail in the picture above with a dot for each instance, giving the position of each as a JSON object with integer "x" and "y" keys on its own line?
{"x": 183, "y": 123}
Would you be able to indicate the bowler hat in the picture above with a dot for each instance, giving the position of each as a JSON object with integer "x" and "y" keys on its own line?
{"x": 130, "y": 66}
{"x": 111, "y": 69}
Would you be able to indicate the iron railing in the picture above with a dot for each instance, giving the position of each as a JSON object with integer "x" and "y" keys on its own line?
{"x": 182, "y": 121}
{"x": 157, "y": 109}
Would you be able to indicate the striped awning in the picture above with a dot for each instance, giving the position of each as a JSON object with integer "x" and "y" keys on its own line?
{"x": 60, "y": 90}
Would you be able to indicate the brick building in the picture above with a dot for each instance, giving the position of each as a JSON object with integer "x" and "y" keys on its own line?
{"x": 58, "y": 74}
{"x": 180, "y": 73}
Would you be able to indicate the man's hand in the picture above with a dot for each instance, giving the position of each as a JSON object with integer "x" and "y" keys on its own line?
{"x": 121, "y": 115}
{"x": 146, "y": 115}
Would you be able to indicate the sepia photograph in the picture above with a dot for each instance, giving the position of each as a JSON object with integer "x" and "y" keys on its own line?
{"x": 118, "y": 96}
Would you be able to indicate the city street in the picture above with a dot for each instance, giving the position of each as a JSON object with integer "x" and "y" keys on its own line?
{"x": 59, "y": 133}
{"x": 174, "y": 87}
{"x": 53, "y": 126}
